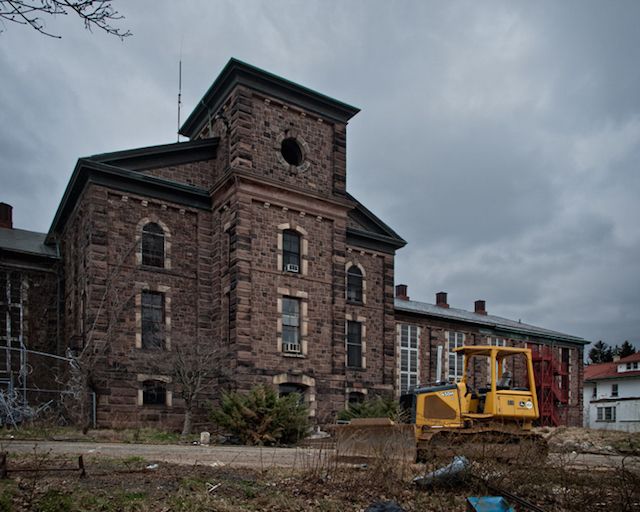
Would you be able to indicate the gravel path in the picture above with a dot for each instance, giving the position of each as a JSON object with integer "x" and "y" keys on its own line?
{"x": 239, "y": 456}
{"x": 254, "y": 457}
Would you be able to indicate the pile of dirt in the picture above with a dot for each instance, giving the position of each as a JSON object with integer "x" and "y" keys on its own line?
{"x": 584, "y": 440}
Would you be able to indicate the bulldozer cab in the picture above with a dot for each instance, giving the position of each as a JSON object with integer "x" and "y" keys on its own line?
{"x": 509, "y": 394}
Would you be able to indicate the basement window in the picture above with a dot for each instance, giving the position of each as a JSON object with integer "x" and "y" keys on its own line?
{"x": 292, "y": 151}
{"x": 153, "y": 393}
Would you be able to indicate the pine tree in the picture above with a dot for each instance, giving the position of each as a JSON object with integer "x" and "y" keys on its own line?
{"x": 626, "y": 349}
{"x": 601, "y": 353}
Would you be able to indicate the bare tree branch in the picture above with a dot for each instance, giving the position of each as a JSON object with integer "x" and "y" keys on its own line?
{"x": 94, "y": 13}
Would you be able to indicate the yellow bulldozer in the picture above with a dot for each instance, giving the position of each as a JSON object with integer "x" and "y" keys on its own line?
{"x": 456, "y": 418}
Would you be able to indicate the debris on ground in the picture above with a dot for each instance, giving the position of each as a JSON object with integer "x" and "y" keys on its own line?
{"x": 384, "y": 506}
{"x": 449, "y": 474}
{"x": 584, "y": 440}
{"x": 488, "y": 504}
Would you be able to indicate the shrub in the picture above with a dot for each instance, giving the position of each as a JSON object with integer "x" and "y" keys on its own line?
{"x": 375, "y": 407}
{"x": 262, "y": 417}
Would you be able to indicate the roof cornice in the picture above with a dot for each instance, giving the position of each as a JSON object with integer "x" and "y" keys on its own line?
{"x": 375, "y": 241}
{"x": 237, "y": 73}
{"x": 177, "y": 153}
{"x": 488, "y": 322}
{"x": 90, "y": 172}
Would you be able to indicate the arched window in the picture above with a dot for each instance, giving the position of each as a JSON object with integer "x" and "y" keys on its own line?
{"x": 290, "y": 251}
{"x": 154, "y": 393}
{"x": 354, "y": 284}
{"x": 153, "y": 245}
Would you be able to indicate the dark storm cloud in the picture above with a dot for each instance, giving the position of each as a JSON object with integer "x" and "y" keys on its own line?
{"x": 501, "y": 139}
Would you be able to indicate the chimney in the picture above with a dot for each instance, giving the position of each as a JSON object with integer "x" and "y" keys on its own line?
{"x": 441, "y": 299}
{"x": 401, "y": 292}
{"x": 616, "y": 359}
{"x": 6, "y": 216}
{"x": 480, "y": 307}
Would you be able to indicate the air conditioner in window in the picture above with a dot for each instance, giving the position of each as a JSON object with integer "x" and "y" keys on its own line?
{"x": 292, "y": 267}
{"x": 291, "y": 348}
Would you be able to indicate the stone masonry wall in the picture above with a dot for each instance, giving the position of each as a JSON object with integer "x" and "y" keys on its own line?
{"x": 197, "y": 174}
{"x": 114, "y": 279}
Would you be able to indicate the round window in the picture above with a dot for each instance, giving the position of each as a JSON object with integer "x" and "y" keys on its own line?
{"x": 291, "y": 151}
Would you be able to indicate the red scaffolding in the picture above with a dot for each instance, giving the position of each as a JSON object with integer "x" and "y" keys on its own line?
{"x": 551, "y": 377}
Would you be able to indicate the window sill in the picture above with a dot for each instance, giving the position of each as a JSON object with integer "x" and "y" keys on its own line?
{"x": 289, "y": 273}
{"x": 292, "y": 354}
{"x": 356, "y": 368}
{"x": 355, "y": 302}
{"x": 153, "y": 268}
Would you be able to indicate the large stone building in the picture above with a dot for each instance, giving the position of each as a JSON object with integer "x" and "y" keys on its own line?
{"x": 243, "y": 242}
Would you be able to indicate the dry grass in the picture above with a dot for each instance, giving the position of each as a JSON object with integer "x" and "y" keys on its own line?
{"x": 316, "y": 483}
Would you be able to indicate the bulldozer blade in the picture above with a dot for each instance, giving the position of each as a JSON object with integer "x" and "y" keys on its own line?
{"x": 364, "y": 440}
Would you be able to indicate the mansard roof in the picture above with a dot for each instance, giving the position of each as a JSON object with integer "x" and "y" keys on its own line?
{"x": 237, "y": 72}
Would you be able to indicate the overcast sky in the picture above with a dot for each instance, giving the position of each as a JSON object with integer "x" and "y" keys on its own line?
{"x": 500, "y": 139}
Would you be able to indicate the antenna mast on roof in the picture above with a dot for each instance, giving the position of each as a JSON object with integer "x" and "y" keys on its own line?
{"x": 179, "y": 92}
{"x": 179, "y": 86}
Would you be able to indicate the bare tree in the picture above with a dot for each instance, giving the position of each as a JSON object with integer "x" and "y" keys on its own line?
{"x": 99, "y": 336}
{"x": 94, "y": 13}
{"x": 195, "y": 368}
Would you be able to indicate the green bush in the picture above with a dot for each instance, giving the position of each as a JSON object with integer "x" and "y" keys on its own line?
{"x": 375, "y": 407}
{"x": 261, "y": 417}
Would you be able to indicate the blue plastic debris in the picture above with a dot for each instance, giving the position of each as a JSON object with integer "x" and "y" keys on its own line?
{"x": 488, "y": 504}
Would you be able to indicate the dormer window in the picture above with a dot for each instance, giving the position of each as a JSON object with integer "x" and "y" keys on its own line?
{"x": 153, "y": 245}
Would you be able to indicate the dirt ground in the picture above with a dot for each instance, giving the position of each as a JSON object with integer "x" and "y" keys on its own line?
{"x": 181, "y": 477}
{"x": 135, "y": 484}
{"x": 583, "y": 440}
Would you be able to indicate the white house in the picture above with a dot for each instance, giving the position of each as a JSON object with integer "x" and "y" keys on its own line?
{"x": 612, "y": 395}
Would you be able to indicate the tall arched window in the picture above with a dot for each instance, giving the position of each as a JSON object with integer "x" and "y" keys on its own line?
{"x": 153, "y": 245}
{"x": 354, "y": 284}
{"x": 291, "y": 251}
